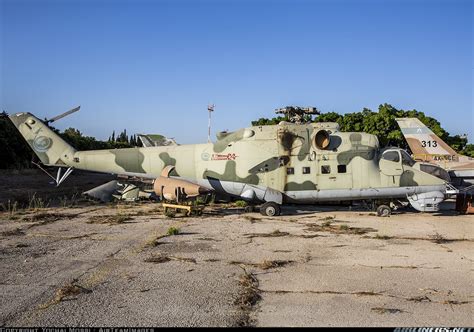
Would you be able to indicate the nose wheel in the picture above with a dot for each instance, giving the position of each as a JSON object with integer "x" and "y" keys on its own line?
{"x": 270, "y": 209}
{"x": 384, "y": 210}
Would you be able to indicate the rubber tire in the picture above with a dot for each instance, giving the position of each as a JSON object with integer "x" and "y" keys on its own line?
{"x": 270, "y": 209}
{"x": 384, "y": 211}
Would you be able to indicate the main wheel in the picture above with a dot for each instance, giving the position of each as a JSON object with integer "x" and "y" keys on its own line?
{"x": 383, "y": 211}
{"x": 270, "y": 209}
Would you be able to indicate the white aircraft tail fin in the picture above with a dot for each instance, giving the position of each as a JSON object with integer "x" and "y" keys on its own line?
{"x": 423, "y": 143}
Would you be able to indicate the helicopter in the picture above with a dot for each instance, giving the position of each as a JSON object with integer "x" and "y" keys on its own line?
{"x": 287, "y": 163}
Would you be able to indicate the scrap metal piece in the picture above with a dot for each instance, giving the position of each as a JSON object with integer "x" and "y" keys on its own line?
{"x": 104, "y": 192}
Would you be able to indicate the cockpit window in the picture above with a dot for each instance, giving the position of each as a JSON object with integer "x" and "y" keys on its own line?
{"x": 391, "y": 156}
{"x": 435, "y": 171}
{"x": 406, "y": 159}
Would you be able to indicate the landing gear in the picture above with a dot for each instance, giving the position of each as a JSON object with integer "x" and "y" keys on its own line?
{"x": 270, "y": 209}
{"x": 384, "y": 210}
{"x": 249, "y": 208}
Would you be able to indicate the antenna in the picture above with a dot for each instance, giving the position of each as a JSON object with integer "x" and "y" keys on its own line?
{"x": 210, "y": 108}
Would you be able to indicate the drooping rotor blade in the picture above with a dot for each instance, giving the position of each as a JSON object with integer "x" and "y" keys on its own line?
{"x": 63, "y": 115}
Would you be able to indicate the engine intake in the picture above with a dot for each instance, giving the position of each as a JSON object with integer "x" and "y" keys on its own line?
{"x": 322, "y": 139}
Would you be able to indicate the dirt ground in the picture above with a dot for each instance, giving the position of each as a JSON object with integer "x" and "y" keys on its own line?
{"x": 31, "y": 187}
{"x": 129, "y": 265}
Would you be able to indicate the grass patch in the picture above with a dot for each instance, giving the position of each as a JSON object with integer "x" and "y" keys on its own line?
{"x": 43, "y": 218}
{"x": 64, "y": 292}
{"x": 248, "y": 297}
{"x": 275, "y": 233}
{"x": 65, "y": 201}
{"x": 157, "y": 259}
{"x": 110, "y": 219}
{"x": 173, "y": 231}
{"x": 438, "y": 238}
{"x": 153, "y": 242}
{"x": 251, "y": 218}
{"x": 163, "y": 259}
{"x": 381, "y": 310}
{"x": 341, "y": 229}
{"x": 11, "y": 208}
{"x": 169, "y": 213}
{"x": 327, "y": 218}
{"x": 13, "y": 232}
{"x": 422, "y": 298}
{"x": 36, "y": 203}
{"x": 265, "y": 265}
{"x": 240, "y": 203}
{"x": 382, "y": 237}
{"x": 268, "y": 264}
{"x": 455, "y": 302}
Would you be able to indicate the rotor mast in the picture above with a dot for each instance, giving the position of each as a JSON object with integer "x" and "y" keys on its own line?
{"x": 297, "y": 114}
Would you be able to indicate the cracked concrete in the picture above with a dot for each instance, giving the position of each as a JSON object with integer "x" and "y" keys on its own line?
{"x": 309, "y": 267}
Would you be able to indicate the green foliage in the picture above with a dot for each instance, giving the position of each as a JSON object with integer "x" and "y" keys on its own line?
{"x": 83, "y": 143}
{"x": 16, "y": 154}
{"x": 468, "y": 150}
{"x": 35, "y": 203}
{"x": 265, "y": 121}
{"x": 457, "y": 142}
{"x": 173, "y": 231}
{"x": 241, "y": 203}
{"x": 383, "y": 125}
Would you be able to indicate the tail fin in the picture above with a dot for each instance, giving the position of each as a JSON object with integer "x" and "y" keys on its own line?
{"x": 423, "y": 143}
{"x": 46, "y": 144}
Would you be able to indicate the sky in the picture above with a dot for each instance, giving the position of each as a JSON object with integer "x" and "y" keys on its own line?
{"x": 154, "y": 66}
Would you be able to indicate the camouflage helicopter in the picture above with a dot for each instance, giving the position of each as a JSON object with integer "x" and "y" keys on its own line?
{"x": 272, "y": 165}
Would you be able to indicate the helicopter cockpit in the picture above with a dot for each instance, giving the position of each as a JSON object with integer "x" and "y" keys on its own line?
{"x": 398, "y": 155}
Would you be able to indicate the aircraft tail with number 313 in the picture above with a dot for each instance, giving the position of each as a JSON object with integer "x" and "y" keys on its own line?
{"x": 428, "y": 147}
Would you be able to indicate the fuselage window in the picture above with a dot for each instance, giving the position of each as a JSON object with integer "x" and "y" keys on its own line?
{"x": 306, "y": 170}
{"x": 341, "y": 168}
{"x": 290, "y": 171}
{"x": 325, "y": 169}
{"x": 391, "y": 156}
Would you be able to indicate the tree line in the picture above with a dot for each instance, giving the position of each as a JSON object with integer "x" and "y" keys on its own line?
{"x": 383, "y": 125}
{"x": 16, "y": 154}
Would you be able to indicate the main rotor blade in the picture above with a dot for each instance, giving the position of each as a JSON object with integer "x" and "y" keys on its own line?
{"x": 63, "y": 115}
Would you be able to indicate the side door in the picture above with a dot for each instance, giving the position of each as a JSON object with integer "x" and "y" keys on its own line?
{"x": 391, "y": 167}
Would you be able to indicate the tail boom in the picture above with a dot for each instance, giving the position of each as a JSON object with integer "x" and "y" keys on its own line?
{"x": 50, "y": 148}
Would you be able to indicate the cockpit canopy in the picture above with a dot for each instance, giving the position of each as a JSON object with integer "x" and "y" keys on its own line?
{"x": 395, "y": 155}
